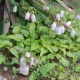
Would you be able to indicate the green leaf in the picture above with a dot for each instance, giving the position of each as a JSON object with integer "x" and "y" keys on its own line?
{"x": 35, "y": 46}
{"x": 25, "y": 32}
{"x": 27, "y": 41}
{"x": 64, "y": 61}
{"x": 16, "y": 37}
{"x": 16, "y": 29}
{"x": 43, "y": 51}
{"x": 47, "y": 45}
{"x": 77, "y": 68}
{"x": 33, "y": 76}
{"x": 2, "y": 58}
{"x": 62, "y": 76}
{"x": 76, "y": 57}
{"x": 54, "y": 48}
{"x": 5, "y": 44}
{"x": 14, "y": 52}
{"x": 14, "y": 61}
{"x": 32, "y": 27}
{"x": 47, "y": 68}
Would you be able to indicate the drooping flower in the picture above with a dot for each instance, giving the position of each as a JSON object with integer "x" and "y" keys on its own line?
{"x": 24, "y": 70}
{"x": 27, "y": 16}
{"x": 62, "y": 13}
{"x": 27, "y": 54}
{"x": 33, "y": 18}
{"x": 32, "y": 62}
{"x": 58, "y": 17}
{"x": 58, "y": 30}
{"x": 78, "y": 16}
{"x": 53, "y": 27}
{"x": 62, "y": 29}
{"x": 22, "y": 61}
{"x": 15, "y": 9}
{"x": 72, "y": 32}
{"x": 68, "y": 23}
{"x": 46, "y": 8}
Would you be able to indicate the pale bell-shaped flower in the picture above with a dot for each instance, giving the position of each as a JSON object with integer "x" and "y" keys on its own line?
{"x": 15, "y": 9}
{"x": 68, "y": 23}
{"x": 27, "y": 54}
{"x": 24, "y": 70}
{"x": 58, "y": 17}
{"x": 72, "y": 33}
{"x": 27, "y": 16}
{"x": 62, "y": 29}
{"x": 62, "y": 13}
{"x": 46, "y": 8}
{"x": 32, "y": 61}
{"x": 22, "y": 61}
{"x": 58, "y": 30}
{"x": 78, "y": 16}
{"x": 53, "y": 27}
{"x": 33, "y": 18}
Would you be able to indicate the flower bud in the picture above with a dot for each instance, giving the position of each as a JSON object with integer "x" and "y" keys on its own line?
{"x": 33, "y": 18}
{"x": 62, "y": 29}
{"x": 58, "y": 30}
{"x": 58, "y": 17}
{"x": 72, "y": 32}
{"x": 27, "y": 54}
{"x": 46, "y": 8}
{"x": 62, "y": 13}
{"x": 22, "y": 61}
{"x": 24, "y": 70}
{"x": 27, "y": 16}
{"x": 68, "y": 23}
{"x": 53, "y": 27}
{"x": 15, "y": 9}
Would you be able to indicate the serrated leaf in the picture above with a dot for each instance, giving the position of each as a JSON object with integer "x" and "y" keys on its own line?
{"x": 47, "y": 68}
{"x": 2, "y": 58}
{"x": 25, "y": 33}
{"x": 16, "y": 29}
{"x": 76, "y": 57}
{"x": 14, "y": 52}
{"x": 77, "y": 68}
{"x": 5, "y": 44}
{"x": 16, "y": 37}
{"x": 43, "y": 51}
{"x": 34, "y": 46}
{"x": 33, "y": 76}
{"x": 64, "y": 61}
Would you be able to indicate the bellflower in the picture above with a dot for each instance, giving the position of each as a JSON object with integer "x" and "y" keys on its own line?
{"x": 24, "y": 70}
{"x": 27, "y": 54}
{"x": 68, "y": 23}
{"x": 32, "y": 61}
{"x": 72, "y": 32}
{"x": 27, "y": 16}
{"x": 58, "y": 30}
{"x": 58, "y": 17}
{"x": 53, "y": 27}
{"x": 62, "y": 13}
{"x": 15, "y": 9}
{"x": 78, "y": 16}
{"x": 22, "y": 61}
{"x": 62, "y": 29}
{"x": 33, "y": 18}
